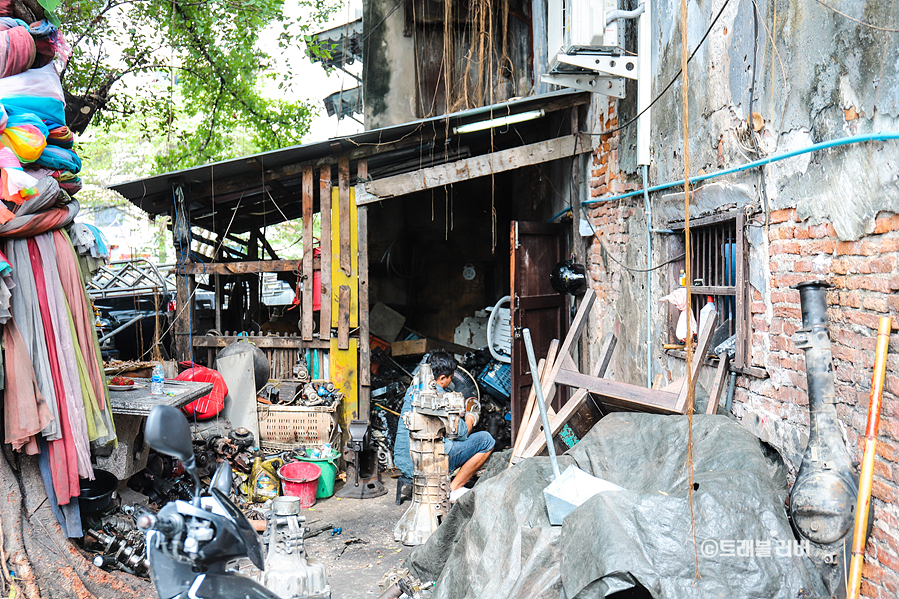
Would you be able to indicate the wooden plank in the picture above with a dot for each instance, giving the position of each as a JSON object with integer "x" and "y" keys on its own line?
{"x": 478, "y": 166}
{"x": 307, "y": 253}
{"x": 338, "y": 275}
{"x": 574, "y": 333}
{"x": 261, "y": 342}
{"x": 324, "y": 194}
{"x": 717, "y": 386}
{"x": 411, "y": 347}
{"x": 702, "y": 347}
{"x": 343, "y": 318}
{"x": 344, "y": 373}
{"x": 742, "y": 328}
{"x": 267, "y": 246}
{"x": 530, "y": 419}
{"x": 364, "y": 337}
{"x": 240, "y": 268}
{"x": 574, "y": 404}
{"x": 542, "y": 370}
{"x": 343, "y": 183}
{"x": 621, "y": 395}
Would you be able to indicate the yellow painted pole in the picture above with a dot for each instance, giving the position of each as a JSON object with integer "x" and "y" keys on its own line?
{"x": 867, "y": 474}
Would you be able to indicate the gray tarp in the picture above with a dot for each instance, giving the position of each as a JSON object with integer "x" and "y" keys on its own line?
{"x": 497, "y": 543}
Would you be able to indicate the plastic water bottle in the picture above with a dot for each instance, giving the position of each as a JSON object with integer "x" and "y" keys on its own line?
{"x": 157, "y": 381}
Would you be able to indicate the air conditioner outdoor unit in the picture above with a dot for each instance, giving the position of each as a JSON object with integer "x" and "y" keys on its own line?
{"x": 585, "y": 50}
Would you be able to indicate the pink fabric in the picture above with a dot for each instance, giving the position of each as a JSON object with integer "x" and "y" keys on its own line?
{"x": 25, "y": 410}
{"x": 17, "y": 51}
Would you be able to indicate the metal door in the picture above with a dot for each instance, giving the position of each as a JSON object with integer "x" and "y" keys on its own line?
{"x": 536, "y": 248}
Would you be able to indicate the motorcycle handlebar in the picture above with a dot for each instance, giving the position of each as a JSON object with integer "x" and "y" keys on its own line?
{"x": 167, "y": 525}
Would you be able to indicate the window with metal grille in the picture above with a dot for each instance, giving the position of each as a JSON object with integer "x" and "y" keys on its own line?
{"x": 719, "y": 272}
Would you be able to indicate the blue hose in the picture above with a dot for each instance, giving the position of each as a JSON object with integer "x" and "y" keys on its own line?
{"x": 843, "y": 141}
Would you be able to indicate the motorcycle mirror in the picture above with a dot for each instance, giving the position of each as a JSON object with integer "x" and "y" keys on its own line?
{"x": 222, "y": 479}
{"x": 168, "y": 432}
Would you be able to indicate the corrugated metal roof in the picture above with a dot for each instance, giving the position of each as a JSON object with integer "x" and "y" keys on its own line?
{"x": 265, "y": 187}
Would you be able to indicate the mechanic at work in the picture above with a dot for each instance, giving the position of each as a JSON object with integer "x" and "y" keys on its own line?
{"x": 467, "y": 452}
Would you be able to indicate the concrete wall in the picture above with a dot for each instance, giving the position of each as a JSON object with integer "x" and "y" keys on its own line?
{"x": 388, "y": 81}
{"x": 831, "y": 214}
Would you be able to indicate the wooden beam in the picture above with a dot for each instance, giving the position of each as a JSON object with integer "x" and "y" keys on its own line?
{"x": 324, "y": 187}
{"x": 702, "y": 347}
{"x": 478, "y": 166}
{"x": 543, "y": 368}
{"x": 266, "y": 245}
{"x": 262, "y": 342}
{"x": 240, "y": 268}
{"x": 307, "y": 253}
{"x": 343, "y": 317}
{"x": 574, "y": 404}
{"x": 621, "y": 395}
{"x": 343, "y": 186}
{"x": 717, "y": 386}
{"x": 364, "y": 341}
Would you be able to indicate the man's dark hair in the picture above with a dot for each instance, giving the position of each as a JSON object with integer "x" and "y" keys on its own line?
{"x": 442, "y": 363}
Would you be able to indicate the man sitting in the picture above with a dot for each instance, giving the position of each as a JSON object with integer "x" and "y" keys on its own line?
{"x": 466, "y": 452}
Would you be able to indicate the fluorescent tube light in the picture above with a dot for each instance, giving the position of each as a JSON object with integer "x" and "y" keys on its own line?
{"x": 499, "y": 121}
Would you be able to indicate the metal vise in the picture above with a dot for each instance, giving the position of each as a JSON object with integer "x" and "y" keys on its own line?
{"x": 433, "y": 415}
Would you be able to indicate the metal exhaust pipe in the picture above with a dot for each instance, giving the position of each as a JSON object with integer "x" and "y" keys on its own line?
{"x": 822, "y": 501}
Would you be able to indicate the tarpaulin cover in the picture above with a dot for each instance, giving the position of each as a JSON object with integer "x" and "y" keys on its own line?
{"x": 497, "y": 542}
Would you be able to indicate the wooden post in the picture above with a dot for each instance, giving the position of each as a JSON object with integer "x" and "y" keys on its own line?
{"x": 253, "y": 280}
{"x": 184, "y": 283}
{"x": 343, "y": 181}
{"x": 364, "y": 340}
{"x": 324, "y": 329}
{"x": 307, "y": 253}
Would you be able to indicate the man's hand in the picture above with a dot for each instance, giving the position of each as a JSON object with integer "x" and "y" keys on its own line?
{"x": 472, "y": 412}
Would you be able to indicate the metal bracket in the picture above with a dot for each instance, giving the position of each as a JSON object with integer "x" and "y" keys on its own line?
{"x": 618, "y": 66}
{"x": 591, "y": 82}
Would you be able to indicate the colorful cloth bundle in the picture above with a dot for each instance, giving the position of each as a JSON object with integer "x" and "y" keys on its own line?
{"x": 17, "y": 185}
{"x": 60, "y": 135}
{"x": 17, "y": 51}
{"x": 26, "y": 135}
{"x": 59, "y": 158}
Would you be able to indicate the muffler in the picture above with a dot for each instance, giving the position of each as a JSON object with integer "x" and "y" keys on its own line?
{"x": 822, "y": 502}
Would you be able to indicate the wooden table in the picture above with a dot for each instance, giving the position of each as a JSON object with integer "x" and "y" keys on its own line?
{"x": 130, "y": 410}
{"x": 139, "y": 402}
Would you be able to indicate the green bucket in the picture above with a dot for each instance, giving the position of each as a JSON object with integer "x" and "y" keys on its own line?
{"x": 329, "y": 473}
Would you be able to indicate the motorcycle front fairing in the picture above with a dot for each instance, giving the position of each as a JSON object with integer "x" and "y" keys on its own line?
{"x": 227, "y": 586}
{"x": 173, "y": 573}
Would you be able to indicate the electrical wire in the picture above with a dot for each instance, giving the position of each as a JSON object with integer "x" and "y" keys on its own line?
{"x": 853, "y": 19}
{"x": 670, "y": 83}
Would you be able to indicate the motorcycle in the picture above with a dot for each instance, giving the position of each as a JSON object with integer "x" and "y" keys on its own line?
{"x": 190, "y": 544}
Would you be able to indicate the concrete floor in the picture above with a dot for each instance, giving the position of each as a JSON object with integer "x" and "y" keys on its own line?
{"x": 358, "y": 557}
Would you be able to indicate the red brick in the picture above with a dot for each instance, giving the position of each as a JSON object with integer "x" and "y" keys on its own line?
{"x": 866, "y": 319}
{"x": 787, "y": 312}
{"x": 884, "y": 491}
{"x": 868, "y": 590}
{"x": 759, "y": 324}
{"x": 780, "y": 216}
{"x": 780, "y": 233}
{"x": 875, "y": 303}
{"x": 818, "y": 246}
{"x": 883, "y": 470}
{"x": 757, "y": 308}
{"x": 783, "y": 246}
{"x": 886, "y": 223}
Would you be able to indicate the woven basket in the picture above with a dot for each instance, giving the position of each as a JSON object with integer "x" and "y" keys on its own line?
{"x": 287, "y": 427}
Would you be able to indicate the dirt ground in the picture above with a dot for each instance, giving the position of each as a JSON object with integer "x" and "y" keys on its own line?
{"x": 358, "y": 557}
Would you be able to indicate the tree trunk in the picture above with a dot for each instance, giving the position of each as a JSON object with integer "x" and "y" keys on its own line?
{"x": 45, "y": 563}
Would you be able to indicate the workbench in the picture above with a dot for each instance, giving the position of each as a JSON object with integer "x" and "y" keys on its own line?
{"x": 130, "y": 410}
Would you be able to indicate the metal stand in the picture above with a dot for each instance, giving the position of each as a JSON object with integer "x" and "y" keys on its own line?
{"x": 363, "y": 477}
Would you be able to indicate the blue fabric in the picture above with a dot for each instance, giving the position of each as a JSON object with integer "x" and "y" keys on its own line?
{"x": 69, "y": 515}
{"x": 462, "y": 451}
{"x": 59, "y": 158}
{"x": 46, "y": 109}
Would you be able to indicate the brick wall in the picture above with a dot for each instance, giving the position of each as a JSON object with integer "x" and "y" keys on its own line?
{"x": 865, "y": 275}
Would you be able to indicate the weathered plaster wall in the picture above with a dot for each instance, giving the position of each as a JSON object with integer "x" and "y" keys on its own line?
{"x": 831, "y": 214}
{"x": 388, "y": 83}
